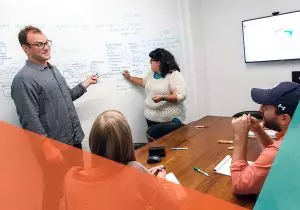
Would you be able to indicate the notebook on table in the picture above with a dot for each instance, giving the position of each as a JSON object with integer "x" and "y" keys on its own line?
{"x": 270, "y": 133}
{"x": 224, "y": 166}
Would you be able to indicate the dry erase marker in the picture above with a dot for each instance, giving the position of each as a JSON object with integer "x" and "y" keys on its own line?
{"x": 225, "y": 142}
{"x": 179, "y": 148}
{"x": 198, "y": 170}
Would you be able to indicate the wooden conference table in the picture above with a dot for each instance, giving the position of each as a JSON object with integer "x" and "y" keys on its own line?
{"x": 203, "y": 152}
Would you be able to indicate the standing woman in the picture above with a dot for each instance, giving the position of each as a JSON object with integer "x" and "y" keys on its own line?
{"x": 165, "y": 92}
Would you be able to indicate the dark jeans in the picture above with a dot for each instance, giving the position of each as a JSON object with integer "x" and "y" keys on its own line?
{"x": 78, "y": 146}
{"x": 54, "y": 175}
{"x": 157, "y": 130}
{"x": 150, "y": 123}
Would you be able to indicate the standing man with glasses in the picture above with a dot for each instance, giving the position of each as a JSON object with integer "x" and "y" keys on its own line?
{"x": 44, "y": 104}
{"x": 43, "y": 100}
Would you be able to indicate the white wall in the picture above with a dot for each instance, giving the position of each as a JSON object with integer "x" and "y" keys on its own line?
{"x": 224, "y": 79}
{"x": 193, "y": 73}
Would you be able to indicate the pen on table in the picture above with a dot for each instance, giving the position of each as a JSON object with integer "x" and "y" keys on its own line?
{"x": 201, "y": 126}
{"x": 156, "y": 173}
{"x": 225, "y": 142}
{"x": 198, "y": 170}
{"x": 179, "y": 148}
{"x": 230, "y": 148}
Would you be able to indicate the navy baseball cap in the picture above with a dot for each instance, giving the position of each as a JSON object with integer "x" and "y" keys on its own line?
{"x": 285, "y": 96}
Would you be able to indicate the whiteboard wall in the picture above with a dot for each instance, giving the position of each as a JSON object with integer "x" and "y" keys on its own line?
{"x": 92, "y": 36}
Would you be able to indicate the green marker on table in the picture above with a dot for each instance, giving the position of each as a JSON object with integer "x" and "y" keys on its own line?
{"x": 198, "y": 170}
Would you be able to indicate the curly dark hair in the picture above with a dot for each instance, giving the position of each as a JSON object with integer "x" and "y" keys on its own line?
{"x": 167, "y": 60}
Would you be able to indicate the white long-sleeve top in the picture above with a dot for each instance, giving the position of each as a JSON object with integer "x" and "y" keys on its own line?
{"x": 165, "y": 111}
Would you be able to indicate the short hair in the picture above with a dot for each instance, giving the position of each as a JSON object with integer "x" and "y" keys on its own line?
{"x": 111, "y": 137}
{"x": 167, "y": 60}
{"x": 23, "y": 34}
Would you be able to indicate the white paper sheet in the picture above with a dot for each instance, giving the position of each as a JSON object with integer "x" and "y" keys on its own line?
{"x": 172, "y": 178}
{"x": 224, "y": 166}
{"x": 270, "y": 133}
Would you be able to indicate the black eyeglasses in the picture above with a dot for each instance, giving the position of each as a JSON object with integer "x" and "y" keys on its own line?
{"x": 41, "y": 45}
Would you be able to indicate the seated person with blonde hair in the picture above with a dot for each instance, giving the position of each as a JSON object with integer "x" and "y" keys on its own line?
{"x": 113, "y": 185}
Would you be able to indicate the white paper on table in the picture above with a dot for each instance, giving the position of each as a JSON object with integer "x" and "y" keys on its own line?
{"x": 270, "y": 133}
{"x": 224, "y": 166}
{"x": 172, "y": 178}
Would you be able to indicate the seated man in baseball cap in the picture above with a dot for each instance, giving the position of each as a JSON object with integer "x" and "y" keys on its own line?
{"x": 278, "y": 105}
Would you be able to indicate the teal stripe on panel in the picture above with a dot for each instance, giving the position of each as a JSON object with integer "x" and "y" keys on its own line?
{"x": 282, "y": 187}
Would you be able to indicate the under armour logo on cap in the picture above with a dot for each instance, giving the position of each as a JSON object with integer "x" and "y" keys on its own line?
{"x": 281, "y": 107}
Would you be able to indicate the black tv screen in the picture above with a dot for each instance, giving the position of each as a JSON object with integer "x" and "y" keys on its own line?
{"x": 272, "y": 38}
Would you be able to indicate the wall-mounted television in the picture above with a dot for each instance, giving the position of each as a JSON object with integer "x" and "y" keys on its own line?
{"x": 272, "y": 38}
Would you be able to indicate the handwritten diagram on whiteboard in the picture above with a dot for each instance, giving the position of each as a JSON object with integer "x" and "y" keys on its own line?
{"x": 88, "y": 37}
{"x": 109, "y": 58}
